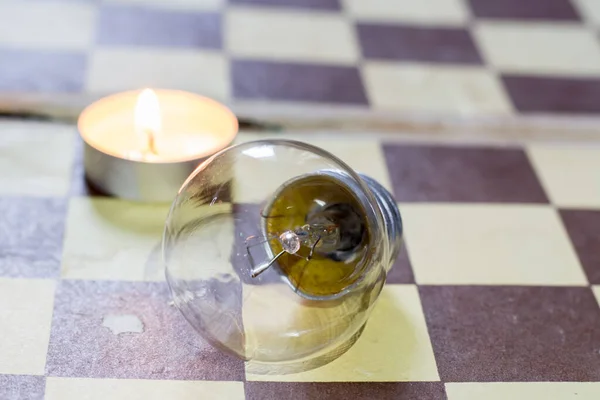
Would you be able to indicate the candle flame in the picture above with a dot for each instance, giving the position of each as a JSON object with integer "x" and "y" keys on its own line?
{"x": 147, "y": 112}
{"x": 147, "y": 119}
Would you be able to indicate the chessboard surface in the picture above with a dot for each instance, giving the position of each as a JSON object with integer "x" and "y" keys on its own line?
{"x": 466, "y": 57}
{"x": 494, "y": 296}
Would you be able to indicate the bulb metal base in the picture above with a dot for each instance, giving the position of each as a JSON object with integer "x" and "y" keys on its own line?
{"x": 391, "y": 215}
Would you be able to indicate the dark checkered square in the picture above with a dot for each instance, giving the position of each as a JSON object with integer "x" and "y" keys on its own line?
{"x": 408, "y": 43}
{"x": 461, "y": 174}
{"x": 557, "y": 10}
{"x": 168, "y": 348}
{"x": 41, "y": 71}
{"x": 532, "y": 94}
{"x": 301, "y": 82}
{"x": 345, "y": 390}
{"x": 22, "y": 387}
{"x": 583, "y": 227}
{"x": 136, "y": 26}
{"x": 504, "y": 334}
{"x": 31, "y": 236}
{"x": 401, "y": 271}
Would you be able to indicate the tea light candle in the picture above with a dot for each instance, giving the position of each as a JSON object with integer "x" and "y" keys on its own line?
{"x": 143, "y": 145}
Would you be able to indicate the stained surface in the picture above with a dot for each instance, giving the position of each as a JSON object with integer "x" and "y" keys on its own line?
{"x": 497, "y": 281}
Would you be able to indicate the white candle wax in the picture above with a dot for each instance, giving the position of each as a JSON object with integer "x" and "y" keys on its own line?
{"x": 193, "y": 127}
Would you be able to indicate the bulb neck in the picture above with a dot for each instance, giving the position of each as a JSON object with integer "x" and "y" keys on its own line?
{"x": 391, "y": 216}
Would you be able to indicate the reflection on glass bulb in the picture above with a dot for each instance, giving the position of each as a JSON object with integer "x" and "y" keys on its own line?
{"x": 259, "y": 152}
{"x": 285, "y": 250}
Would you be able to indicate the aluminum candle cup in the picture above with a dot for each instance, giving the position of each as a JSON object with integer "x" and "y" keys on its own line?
{"x": 143, "y": 145}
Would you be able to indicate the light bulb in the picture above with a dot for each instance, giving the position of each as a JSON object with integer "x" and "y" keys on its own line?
{"x": 276, "y": 252}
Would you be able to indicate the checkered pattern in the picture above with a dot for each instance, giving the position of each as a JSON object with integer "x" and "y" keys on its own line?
{"x": 492, "y": 57}
{"x": 495, "y": 295}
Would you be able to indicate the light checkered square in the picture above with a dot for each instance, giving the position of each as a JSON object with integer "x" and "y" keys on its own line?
{"x": 52, "y": 25}
{"x": 570, "y": 175}
{"x": 36, "y": 163}
{"x": 290, "y": 36}
{"x": 429, "y": 88}
{"x": 119, "y": 69}
{"x": 489, "y": 245}
{"x": 426, "y": 12}
{"x": 379, "y": 356}
{"x": 113, "y": 239}
{"x": 540, "y": 49}
{"x": 25, "y": 316}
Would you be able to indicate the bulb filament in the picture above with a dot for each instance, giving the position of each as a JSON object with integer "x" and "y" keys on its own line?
{"x": 291, "y": 241}
{"x": 264, "y": 266}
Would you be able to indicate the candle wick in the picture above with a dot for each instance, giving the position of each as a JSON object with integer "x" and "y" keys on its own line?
{"x": 151, "y": 142}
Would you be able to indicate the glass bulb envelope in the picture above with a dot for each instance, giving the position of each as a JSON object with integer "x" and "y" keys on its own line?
{"x": 276, "y": 252}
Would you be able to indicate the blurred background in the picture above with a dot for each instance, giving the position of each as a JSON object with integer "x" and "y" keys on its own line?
{"x": 449, "y": 57}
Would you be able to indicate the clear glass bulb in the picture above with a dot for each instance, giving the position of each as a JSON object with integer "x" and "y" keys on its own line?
{"x": 276, "y": 252}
